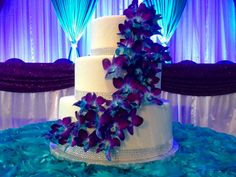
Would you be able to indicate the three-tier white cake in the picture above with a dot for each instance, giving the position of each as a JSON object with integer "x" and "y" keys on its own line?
{"x": 151, "y": 141}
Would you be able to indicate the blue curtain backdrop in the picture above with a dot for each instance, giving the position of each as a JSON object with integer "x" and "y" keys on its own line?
{"x": 206, "y": 32}
{"x": 74, "y": 17}
{"x": 29, "y": 30}
{"x": 171, "y": 11}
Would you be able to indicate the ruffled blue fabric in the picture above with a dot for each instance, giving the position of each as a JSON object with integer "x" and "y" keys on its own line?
{"x": 202, "y": 152}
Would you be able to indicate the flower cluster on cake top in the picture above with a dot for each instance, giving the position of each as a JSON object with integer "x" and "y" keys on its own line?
{"x": 102, "y": 124}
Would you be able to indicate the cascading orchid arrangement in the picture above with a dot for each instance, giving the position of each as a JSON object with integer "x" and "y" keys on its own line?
{"x": 102, "y": 124}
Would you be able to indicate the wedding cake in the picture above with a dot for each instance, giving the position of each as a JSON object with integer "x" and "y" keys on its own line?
{"x": 150, "y": 141}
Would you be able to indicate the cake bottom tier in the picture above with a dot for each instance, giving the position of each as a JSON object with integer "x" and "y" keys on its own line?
{"x": 119, "y": 157}
{"x": 151, "y": 141}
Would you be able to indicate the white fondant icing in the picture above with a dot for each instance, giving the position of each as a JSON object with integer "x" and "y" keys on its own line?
{"x": 66, "y": 107}
{"x": 90, "y": 75}
{"x": 104, "y": 33}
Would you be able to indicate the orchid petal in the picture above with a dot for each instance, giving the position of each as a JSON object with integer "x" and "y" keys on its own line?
{"x": 121, "y": 135}
{"x": 123, "y": 123}
{"x": 156, "y": 91}
{"x": 93, "y": 139}
{"x": 106, "y": 63}
{"x": 80, "y": 103}
{"x": 66, "y": 133}
{"x": 119, "y": 60}
{"x": 90, "y": 124}
{"x": 102, "y": 109}
{"x": 136, "y": 120}
{"x": 138, "y": 45}
{"x": 74, "y": 141}
{"x": 100, "y": 100}
{"x": 55, "y": 127}
{"x": 155, "y": 80}
{"x": 105, "y": 118}
{"x": 66, "y": 121}
{"x": 134, "y": 97}
{"x": 166, "y": 57}
{"x": 108, "y": 154}
{"x": 128, "y": 13}
{"x": 82, "y": 134}
{"x": 88, "y": 97}
{"x": 91, "y": 115}
{"x": 100, "y": 148}
{"x": 114, "y": 142}
{"x": 130, "y": 130}
{"x": 118, "y": 82}
{"x": 81, "y": 119}
{"x": 121, "y": 28}
{"x": 157, "y": 101}
{"x": 62, "y": 141}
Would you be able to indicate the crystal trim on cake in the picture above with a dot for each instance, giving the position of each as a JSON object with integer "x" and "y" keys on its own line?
{"x": 103, "y": 51}
{"x": 79, "y": 94}
{"x": 119, "y": 156}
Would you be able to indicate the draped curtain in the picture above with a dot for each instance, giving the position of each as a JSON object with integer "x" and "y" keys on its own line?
{"x": 73, "y": 17}
{"x": 171, "y": 11}
{"x": 29, "y": 29}
{"x": 206, "y": 32}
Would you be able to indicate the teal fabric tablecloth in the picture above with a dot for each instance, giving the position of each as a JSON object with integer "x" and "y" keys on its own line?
{"x": 24, "y": 152}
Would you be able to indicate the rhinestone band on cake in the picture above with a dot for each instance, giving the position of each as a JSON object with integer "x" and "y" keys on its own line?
{"x": 103, "y": 51}
{"x": 80, "y": 94}
{"x": 118, "y": 156}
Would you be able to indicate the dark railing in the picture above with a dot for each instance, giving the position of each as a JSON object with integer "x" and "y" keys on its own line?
{"x": 187, "y": 78}
{"x": 36, "y": 77}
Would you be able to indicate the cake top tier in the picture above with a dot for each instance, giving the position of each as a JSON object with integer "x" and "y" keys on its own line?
{"x": 104, "y": 35}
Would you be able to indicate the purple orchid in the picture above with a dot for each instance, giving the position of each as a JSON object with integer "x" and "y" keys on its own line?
{"x": 93, "y": 139}
{"x": 80, "y": 138}
{"x": 135, "y": 99}
{"x": 63, "y": 130}
{"x": 92, "y": 101}
{"x": 116, "y": 68}
{"x": 111, "y": 130}
{"x": 131, "y": 11}
{"x": 136, "y": 121}
{"x": 126, "y": 29}
{"x": 126, "y": 42}
{"x": 107, "y": 145}
{"x": 144, "y": 13}
{"x": 115, "y": 128}
{"x": 126, "y": 85}
{"x": 118, "y": 102}
{"x": 152, "y": 98}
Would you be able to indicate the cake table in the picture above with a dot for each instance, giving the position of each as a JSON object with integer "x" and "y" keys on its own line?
{"x": 202, "y": 152}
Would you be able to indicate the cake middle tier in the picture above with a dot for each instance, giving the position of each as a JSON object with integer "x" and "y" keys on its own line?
{"x": 104, "y": 34}
{"x": 90, "y": 77}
